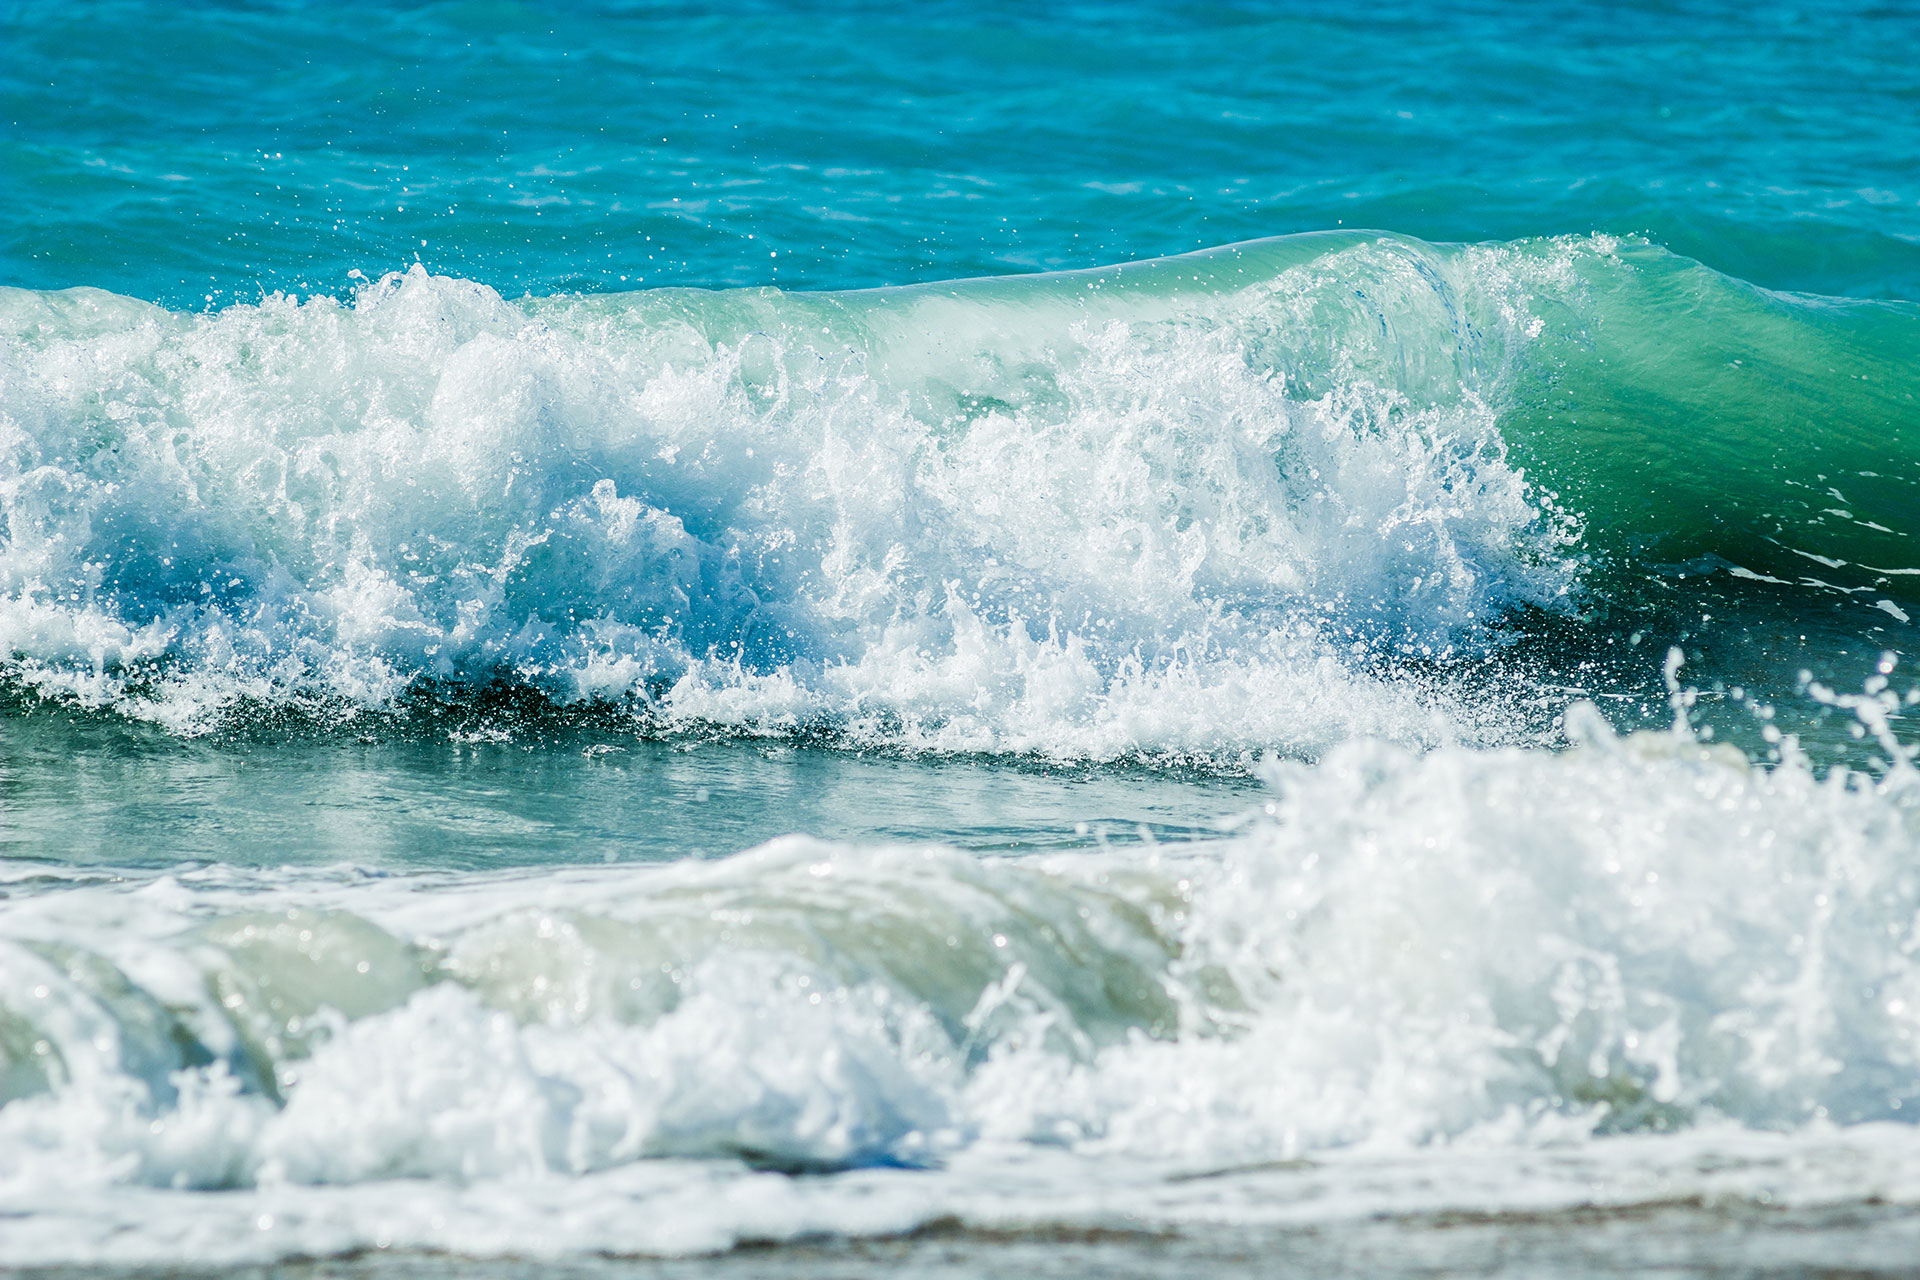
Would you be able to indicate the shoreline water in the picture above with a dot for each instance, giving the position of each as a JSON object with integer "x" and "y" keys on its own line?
{"x": 1706, "y": 1235}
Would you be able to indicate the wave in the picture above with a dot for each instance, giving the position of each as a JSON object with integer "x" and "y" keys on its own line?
{"x": 1274, "y": 495}
{"x": 1507, "y": 949}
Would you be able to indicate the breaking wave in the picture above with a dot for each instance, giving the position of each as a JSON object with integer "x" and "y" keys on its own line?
{"x": 1264, "y": 496}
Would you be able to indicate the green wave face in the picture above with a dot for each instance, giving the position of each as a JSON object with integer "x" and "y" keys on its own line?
{"x": 1684, "y": 414}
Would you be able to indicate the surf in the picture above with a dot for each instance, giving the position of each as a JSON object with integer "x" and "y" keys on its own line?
{"x": 1277, "y": 494}
{"x": 1393, "y": 953}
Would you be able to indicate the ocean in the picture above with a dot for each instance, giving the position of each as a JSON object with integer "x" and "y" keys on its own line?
{"x": 959, "y": 639}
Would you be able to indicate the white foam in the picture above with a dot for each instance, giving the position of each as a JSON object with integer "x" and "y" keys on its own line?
{"x": 1448, "y": 980}
{"x": 1173, "y": 515}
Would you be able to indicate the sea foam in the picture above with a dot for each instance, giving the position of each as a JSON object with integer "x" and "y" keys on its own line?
{"x": 1201, "y": 506}
{"x": 1481, "y": 950}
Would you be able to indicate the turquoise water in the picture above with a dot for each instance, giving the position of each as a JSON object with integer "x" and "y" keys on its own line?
{"x": 629, "y": 631}
{"x": 231, "y": 149}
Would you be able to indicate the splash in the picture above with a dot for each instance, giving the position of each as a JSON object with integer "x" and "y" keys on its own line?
{"x": 1276, "y": 495}
{"x": 1195, "y": 506}
{"x": 1399, "y": 950}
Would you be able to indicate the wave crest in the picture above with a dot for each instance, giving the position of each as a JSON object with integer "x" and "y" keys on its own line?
{"x": 999, "y": 515}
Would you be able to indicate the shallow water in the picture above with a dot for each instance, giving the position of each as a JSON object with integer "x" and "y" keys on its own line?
{"x": 815, "y": 642}
{"x": 111, "y": 795}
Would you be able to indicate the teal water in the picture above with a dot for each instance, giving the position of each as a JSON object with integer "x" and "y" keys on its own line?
{"x": 228, "y": 149}
{"x": 628, "y": 631}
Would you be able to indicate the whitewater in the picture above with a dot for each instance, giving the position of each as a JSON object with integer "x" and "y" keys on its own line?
{"x": 1189, "y": 507}
{"x": 1079, "y": 516}
{"x": 1520, "y": 964}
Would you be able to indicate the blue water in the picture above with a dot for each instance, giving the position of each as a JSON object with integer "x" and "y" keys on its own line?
{"x": 626, "y": 631}
{"x": 230, "y": 150}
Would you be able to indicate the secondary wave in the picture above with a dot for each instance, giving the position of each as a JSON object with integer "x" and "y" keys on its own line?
{"x": 1512, "y": 948}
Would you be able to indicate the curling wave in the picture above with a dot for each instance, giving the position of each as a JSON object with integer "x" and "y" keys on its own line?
{"x": 1274, "y": 495}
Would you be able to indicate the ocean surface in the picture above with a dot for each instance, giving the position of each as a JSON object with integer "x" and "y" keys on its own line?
{"x": 959, "y": 639}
